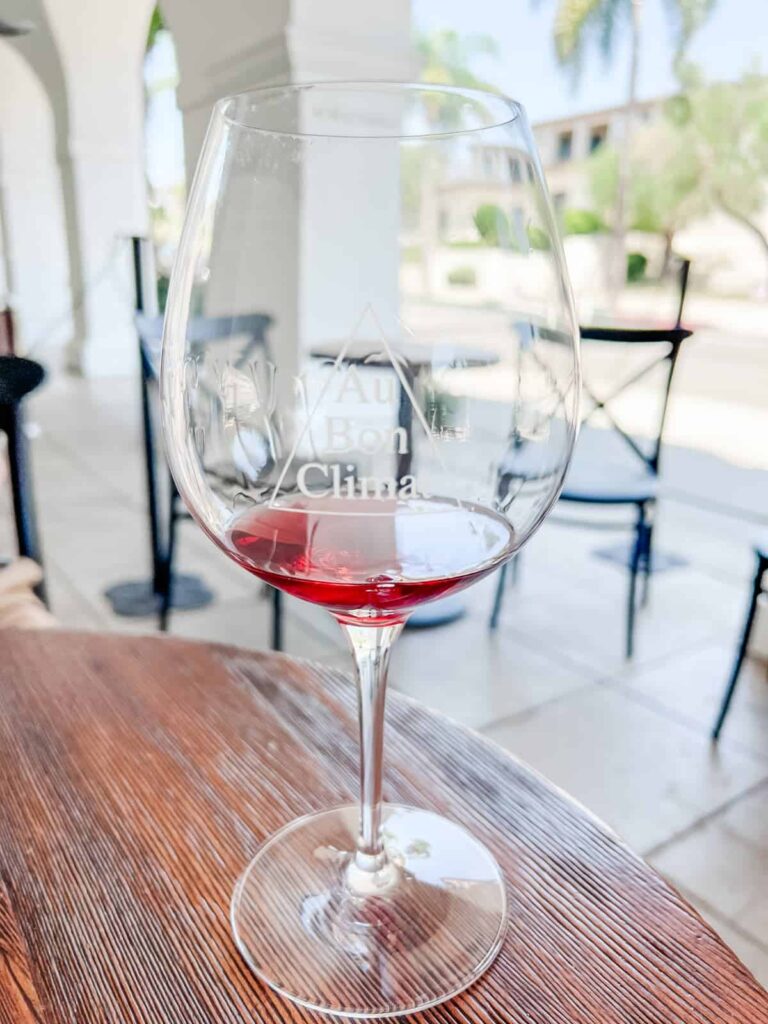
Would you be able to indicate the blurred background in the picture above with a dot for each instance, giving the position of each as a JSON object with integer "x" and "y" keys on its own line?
{"x": 651, "y": 118}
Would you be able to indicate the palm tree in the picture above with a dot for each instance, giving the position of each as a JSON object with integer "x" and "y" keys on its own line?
{"x": 446, "y": 57}
{"x": 581, "y": 25}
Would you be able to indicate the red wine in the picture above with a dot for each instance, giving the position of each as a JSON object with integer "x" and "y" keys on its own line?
{"x": 370, "y": 560}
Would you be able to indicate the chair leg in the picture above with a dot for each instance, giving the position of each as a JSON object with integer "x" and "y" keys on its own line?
{"x": 637, "y": 550}
{"x": 277, "y": 619}
{"x": 165, "y": 589}
{"x": 647, "y": 564}
{"x": 514, "y": 566}
{"x": 12, "y": 423}
{"x": 501, "y": 580}
{"x": 757, "y": 586}
{"x": 150, "y": 470}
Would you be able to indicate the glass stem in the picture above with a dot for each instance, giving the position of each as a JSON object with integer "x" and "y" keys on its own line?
{"x": 371, "y": 647}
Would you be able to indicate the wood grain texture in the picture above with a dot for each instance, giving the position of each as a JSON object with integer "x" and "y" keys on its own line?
{"x": 18, "y": 999}
{"x": 138, "y": 776}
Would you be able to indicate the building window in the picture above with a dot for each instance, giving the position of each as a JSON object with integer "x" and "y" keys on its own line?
{"x": 597, "y": 136}
{"x": 515, "y": 174}
{"x": 564, "y": 146}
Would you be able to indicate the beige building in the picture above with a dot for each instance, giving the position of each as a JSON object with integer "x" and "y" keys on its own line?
{"x": 566, "y": 144}
{"x": 727, "y": 258}
{"x": 493, "y": 171}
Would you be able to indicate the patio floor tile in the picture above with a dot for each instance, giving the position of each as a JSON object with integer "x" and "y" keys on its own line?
{"x": 645, "y": 774}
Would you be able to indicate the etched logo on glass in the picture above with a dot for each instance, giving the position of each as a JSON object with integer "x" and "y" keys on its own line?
{"x": 350, "y": 421}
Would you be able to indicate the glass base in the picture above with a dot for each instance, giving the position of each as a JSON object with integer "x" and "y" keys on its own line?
{"x": 340, "y": 940}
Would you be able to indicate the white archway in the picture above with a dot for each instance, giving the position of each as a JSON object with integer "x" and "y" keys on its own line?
{"x": 35, "y": 259}
{"x": 88, "y": 56}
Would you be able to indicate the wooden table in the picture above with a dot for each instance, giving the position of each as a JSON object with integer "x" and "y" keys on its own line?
{"x": 138, "y": 776}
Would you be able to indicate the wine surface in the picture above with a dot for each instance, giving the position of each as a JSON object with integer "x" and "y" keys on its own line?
{"x": 370, "y": 560}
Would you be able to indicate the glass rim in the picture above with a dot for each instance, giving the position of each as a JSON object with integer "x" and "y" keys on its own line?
{"x": 512, "y": 108}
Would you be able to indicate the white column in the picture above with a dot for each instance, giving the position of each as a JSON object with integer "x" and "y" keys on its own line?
{"x": 104, "y": 182}
{"x": 87, "y": 56}
{"x": 34, "y": 278}
{"x": 101, "y": 47}
{"x": 301, "y": 40}
{"x": 246, "y": 45}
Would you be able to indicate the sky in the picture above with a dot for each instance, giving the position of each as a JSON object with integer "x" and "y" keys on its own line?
{"x": 735, "y": 36}
{"x": 163, "y": 124}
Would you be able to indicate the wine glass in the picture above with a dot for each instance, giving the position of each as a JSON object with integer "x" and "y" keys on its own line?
{"x": 396, "y": 434}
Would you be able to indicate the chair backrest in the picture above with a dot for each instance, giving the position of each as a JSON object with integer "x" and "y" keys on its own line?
{"x": 201, "y": 330}
{"x": 663, "y": 347}
{"x": 684, "y": 273}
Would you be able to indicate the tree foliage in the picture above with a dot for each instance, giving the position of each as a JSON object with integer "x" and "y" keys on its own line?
{"x": 709, "y": 151}
{"x": 725, "y": 126}
{"x": 156, "y": 24}
{"x": 582, "y": 26}
{"x": 447, "y": 58}
{"x": 665, "y": 184}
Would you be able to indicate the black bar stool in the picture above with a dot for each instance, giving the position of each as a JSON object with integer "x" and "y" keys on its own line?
{"x": 18, "y": 378}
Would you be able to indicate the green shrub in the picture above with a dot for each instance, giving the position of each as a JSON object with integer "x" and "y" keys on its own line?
{"x": 539, "y": 238}
{"x": 581, "y": 222}
{"x": 491, "y": 223}
{"x": 162, "y": 291}
{"x": 637, "y": 263}
{"x": 462, "y": 276}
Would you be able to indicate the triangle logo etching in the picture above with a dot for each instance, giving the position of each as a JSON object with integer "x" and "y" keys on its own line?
{"x": 337, "y": 423}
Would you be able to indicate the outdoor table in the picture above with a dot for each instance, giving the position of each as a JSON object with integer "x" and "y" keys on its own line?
{"x": 138, "y": 776}
{"x": 413, "y": 359}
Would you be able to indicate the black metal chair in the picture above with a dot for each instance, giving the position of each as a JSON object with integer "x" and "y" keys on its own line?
{"x": 200, "y": 331}
{"x": 18, "y": 378}
{"x": 166, "y": 588}
{"x": 6, "y": 332}
{"x": 758, "y": 587}
{"x": 611, "y": 467}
